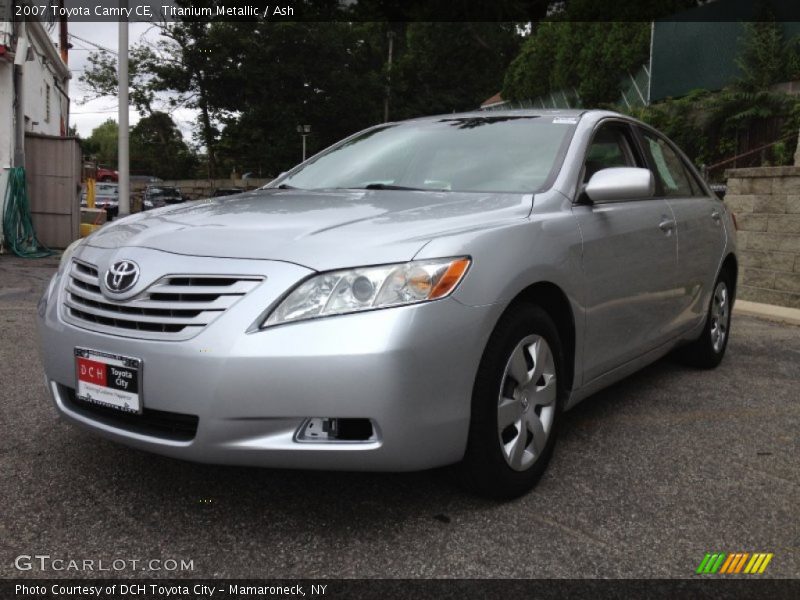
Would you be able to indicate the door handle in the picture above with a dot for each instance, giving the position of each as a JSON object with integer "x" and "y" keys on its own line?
{"x": 667, "y": 225}
{"x": 715, "y": 215}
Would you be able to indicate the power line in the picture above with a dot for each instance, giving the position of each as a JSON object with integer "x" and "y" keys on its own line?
{"x": 85, "y": 41}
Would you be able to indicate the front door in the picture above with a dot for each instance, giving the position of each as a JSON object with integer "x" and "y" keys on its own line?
{"x": 629, "y": 263}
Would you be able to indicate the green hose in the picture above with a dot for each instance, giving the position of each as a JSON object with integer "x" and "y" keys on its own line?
{"x": 17, "y": 224}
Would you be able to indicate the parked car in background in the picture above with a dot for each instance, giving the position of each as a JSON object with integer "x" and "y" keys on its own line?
{"x": 424, "y": 293}
{"x": 226, "y": 191}
{"x": 157, "y": 196}
{"x": 106, "y": 195}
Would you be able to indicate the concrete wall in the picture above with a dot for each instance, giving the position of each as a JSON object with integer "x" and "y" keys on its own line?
{"x": 194, "y": 189}
{"x": 766, "y": 202}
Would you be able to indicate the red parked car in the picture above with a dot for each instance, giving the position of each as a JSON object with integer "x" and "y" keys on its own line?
{"x": 104, "y": 174}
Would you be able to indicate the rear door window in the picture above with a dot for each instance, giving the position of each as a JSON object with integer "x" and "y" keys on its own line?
{"x": 670, "y": 171}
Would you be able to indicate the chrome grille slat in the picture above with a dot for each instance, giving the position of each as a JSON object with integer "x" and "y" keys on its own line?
{"x": 241, "y": 287}
{"x": 85, "y": 278}
{"x": 203, "y": 318}
{"x": 175, "y": 307}
{"x": 222, "y": 303}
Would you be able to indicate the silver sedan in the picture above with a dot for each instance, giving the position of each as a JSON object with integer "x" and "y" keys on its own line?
{"x": 424, "y": 293}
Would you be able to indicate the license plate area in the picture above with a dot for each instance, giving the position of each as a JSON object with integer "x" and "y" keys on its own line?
{"x": 108, "y": 380}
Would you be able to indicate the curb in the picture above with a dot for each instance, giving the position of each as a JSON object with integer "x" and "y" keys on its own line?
{"x": 782, "y": 314}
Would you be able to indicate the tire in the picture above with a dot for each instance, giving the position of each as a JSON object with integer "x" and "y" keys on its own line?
{"x": 707, "y": 351}
{"x": 499, "y": 463}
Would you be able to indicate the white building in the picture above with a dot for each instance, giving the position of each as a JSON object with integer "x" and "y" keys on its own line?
{"x": 31, "y": 70}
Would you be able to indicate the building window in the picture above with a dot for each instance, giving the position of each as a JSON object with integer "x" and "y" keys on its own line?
{"x": 46, "y": 103}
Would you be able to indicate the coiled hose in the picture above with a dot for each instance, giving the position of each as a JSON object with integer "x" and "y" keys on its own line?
{"x": 18, "y": 230}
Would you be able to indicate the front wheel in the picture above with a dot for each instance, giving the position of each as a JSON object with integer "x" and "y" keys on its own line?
{"x": 707, "y": 351}
{"x": 516, "y": 405}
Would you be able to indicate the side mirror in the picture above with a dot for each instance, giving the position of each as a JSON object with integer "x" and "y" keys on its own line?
{"x": 620, "y": 183}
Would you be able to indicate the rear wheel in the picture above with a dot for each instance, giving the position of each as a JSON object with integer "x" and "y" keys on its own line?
{"x": 516, "y": 405}
{"x": 706, "y": 352}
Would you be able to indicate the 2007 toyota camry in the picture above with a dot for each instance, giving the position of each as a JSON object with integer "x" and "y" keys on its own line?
{"x": 423, "y": 293}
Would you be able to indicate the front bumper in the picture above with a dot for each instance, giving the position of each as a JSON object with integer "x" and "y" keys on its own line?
{"x": 410, "y": 370}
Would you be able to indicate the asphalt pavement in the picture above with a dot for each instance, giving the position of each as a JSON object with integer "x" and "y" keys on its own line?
{"x": 648, "y": 476}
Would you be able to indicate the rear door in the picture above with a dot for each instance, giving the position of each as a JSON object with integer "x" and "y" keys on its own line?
{"x": 629, "y": 261}
{"x": 700, "y": 233}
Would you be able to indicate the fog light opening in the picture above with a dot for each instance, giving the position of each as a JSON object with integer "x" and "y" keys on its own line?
{"x": 331, "y": 429}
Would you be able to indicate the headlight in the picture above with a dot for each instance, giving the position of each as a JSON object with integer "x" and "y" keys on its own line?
{"x": 67, "y": 254}
{"x": 368, "y": 288}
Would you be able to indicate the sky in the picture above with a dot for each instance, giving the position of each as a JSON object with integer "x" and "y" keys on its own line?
{"x": 87, "y": 116}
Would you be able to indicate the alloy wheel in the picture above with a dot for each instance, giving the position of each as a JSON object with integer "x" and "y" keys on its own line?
{"x": 720, "y": 316}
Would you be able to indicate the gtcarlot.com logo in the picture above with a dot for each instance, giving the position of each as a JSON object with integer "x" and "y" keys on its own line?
{"x": 731, "y": 563}
{"x": 45, "y": 562}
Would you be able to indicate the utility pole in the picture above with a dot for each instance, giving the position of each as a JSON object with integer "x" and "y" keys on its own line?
{"x": 304, "y": 130}
{"x": 390, "y": 35}
{"x": 63, "y": 42}
{"x": 123, "y": 166}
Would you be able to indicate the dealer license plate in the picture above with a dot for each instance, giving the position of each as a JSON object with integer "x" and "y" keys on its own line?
{"x": 109, "y": 380}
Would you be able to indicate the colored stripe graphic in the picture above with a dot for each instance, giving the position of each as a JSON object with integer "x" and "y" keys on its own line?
{"x": 727, "y": 564}
{"x": 741, "y": 562}
{"x": 733, "y": 563}
{"x": 703, "y": 563}
{"x": 718, "y": 564}
{"x": 766, "y": 562}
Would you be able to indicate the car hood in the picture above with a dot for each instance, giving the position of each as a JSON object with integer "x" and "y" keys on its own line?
{"x": 318, "y": 229}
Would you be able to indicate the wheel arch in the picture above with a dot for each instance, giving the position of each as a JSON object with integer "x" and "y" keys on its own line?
{"x": 731, "y": 264}
{"x": 552, "y": 299}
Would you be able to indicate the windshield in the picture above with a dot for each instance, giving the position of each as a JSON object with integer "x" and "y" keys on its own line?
{"x": 162, "y": 191}
{"x": 465, "y": 154}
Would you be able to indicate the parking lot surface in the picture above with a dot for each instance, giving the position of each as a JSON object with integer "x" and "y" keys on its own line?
{"x": 647, "y": 477}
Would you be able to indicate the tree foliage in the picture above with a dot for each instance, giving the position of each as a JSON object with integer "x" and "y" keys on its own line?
{"x": 708, "y": 125}
{"x": 158, "y": 148}
{"x": 766, "y": 57}
{"x": 588, "y": 58}
{"x": 102, "y": 144}
{"x": 253, "y": 82}
{"x": 582, "y": 49}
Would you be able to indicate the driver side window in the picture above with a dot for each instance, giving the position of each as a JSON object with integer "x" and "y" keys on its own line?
{"x": 611, "y": 147}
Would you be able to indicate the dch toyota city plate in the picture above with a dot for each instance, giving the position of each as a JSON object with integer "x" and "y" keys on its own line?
{"x": 108, "y": 379}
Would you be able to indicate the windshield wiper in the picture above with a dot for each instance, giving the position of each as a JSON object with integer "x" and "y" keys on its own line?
{"x": 286, "y": 186}
{"x": 387, "y": 186}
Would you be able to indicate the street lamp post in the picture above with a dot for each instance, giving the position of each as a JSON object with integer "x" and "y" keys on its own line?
{"x": 123, "y": 160}
{"x": 304, "y": 130}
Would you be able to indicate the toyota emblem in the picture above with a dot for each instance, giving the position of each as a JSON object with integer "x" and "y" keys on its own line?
{"x": 122, "y": 276}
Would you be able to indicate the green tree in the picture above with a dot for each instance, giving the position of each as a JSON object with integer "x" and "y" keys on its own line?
{"x": 581, "y": 48}
{"x": 589, "y": 58}
{"x": 447, "y": 67}
{"x": 252, "y": 83}
{"x": 99, "y": 79}
{"x": 102, "y": 144}
{"x": 765, "y": 57}
{"x": 157, "y": 148}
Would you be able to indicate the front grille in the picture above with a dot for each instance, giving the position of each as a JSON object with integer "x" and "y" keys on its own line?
{"x": 155, "y": 423}
{"x": 175, "y": 307}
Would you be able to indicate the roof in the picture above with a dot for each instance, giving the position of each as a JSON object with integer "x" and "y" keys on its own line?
{"x": 518, "y": 112}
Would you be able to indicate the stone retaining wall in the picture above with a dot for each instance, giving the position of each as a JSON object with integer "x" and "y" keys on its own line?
{"x": 766, "y": 202}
